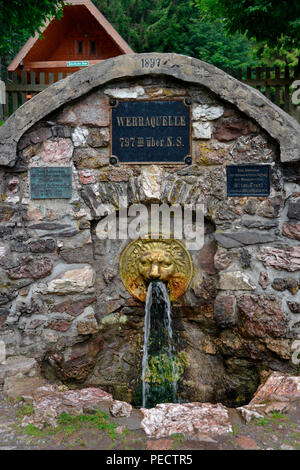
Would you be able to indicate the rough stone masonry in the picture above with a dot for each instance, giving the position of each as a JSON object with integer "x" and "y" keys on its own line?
{"x": 62, "y": 301}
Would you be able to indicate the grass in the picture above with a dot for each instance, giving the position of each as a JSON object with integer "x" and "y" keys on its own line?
{"x": 178, "y": 440}
{"x": 68, "y": 425}
{"x": 26, "y": 410}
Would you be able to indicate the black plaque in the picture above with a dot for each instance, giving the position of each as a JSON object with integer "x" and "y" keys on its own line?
{"x": 51, "y": 183}
{"x": 248, "y": 180}
{"x": 151, "y": 131}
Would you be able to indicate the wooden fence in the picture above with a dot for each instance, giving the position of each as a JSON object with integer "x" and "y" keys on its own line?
{"x": 274, "y": 83}
{"x": 20, "y": 89}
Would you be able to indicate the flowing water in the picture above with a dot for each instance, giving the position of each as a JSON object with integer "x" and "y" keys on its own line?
{"x": 157, "y": 315}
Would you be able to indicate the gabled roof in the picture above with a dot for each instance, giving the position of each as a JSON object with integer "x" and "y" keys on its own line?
{"x": 109, "y": 29}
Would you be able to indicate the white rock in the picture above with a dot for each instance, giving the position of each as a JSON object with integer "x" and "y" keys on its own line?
{"x": 73, "y": 281}
{"x": 234, "y": 280}
{"x": 79, "y": 136}
{"x": 2, "y": 251}
{"x": 151, "y": 178}
{"x": 192, "y": 419}
{"x": 120, "y": 409}
{"x": 86, "y": 323}
{"x": 15, "y": 365}
{"x": 134, "y": 92}
{"x": 206, "y": 112}
{"x": 249, "y": 414}
{"x": 202, "y": 130}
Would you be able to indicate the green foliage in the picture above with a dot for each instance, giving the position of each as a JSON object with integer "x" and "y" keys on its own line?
{"x": 26, "y": 410}
{"x": 276, "y": 416}
{"x": 69, "y": 424}
{"x": 19, "y": 19}
{"x": 264, "y": 20}
{"x": 262, "y": 421}
{"x": 162, "y": 369}
{"x": 31, "y": 430}
{"x": 98, "y": 420}
{"x": 172, "y": 26}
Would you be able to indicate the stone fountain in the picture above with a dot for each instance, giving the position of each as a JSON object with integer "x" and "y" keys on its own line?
{"x": 156, "y": 129}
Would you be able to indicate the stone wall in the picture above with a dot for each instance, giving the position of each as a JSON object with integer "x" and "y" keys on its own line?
{"x": 62, "y": 300}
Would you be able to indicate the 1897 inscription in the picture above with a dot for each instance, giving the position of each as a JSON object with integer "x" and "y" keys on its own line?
{"x": 51, "y": 183}
{"x": 151, "y": 131}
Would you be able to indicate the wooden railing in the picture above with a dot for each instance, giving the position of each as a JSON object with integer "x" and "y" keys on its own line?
{"x": 274, "y": 83}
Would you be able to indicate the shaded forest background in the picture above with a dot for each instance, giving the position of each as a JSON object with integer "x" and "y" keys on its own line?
{"x": 178, "y": 26}
{"x": 205, "y": 29}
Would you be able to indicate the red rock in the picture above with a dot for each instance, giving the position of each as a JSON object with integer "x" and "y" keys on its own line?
{"x": 221, "y": 259}
{"x": 41, "y": 134}
{"x": 77, "y": 362}
{"x": 206, "y": 257}
{"x": 94, "y": 110}
{"x": 291, "y": 231}
{"x": 159, "y": 444}
{"x": 35, "y": 268}
{"x": 86, "y": 177}
{"x": 118, "y": 176}
{"x": 58, "y": 151}
{"x": 192, "y": 419}
{"x": 231, "y": 128}
{"x": 262, "y": 316}
{"x": 246, "y": 443}
{"x": 287, "y": 259}
{"x": 207, "y": 290}
{"x": 13, "y": 185}
{"x": 59, "y": 325}
{"x": 264, "y": 280}
{"x": 73, "y": 308}
{"x": 225, "y": 310}
{"x": 278, "y": 387}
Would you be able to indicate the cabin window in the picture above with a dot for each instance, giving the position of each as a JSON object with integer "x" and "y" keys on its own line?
{"x": 93, "y": 47}
{"x": 79, "y": 47}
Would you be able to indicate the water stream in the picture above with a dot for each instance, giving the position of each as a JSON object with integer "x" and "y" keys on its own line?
{"x": 157, "y": 318}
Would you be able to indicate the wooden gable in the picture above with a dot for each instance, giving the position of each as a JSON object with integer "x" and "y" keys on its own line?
{"x": 83, "y": 36}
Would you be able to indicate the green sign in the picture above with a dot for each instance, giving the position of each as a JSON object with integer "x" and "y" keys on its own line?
{"x": 78, "y": 63}
{"x": 51, "y": 183}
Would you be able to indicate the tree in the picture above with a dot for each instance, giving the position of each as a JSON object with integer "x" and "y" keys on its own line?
{"x": 273, "y": 22}
{"x": 177, "y": 26}
{"x": 19, "y": 19}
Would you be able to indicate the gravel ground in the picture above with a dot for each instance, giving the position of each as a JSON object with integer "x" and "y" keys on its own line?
{"x": 278, "y": 432}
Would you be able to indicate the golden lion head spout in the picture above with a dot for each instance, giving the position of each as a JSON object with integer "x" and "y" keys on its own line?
{"x": 156, "y": 264}
{"x": 146, "y": 260}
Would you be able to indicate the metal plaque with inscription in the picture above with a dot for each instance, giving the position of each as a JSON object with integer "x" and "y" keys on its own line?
{"x": 150, "y": 131}
{"x": 51, "y": 183}
{"x": 248, "y": 180}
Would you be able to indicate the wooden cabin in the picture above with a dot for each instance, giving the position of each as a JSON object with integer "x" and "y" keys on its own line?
{"x": 82, "y": 37}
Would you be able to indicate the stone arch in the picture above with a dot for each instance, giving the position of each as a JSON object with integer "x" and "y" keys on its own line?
{"x": 278, "y": 124}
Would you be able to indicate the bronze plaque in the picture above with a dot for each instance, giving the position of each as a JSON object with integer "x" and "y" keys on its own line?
{"x": 51, "y": 183}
